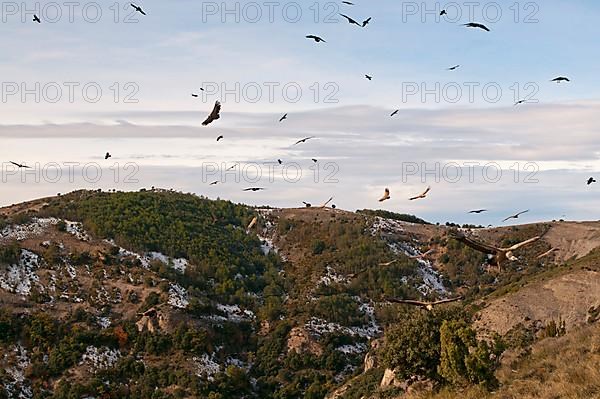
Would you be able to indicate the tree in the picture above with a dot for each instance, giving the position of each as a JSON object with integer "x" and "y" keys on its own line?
{"x": 463, "y": 358}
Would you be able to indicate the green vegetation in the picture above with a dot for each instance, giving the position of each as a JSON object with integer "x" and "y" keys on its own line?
{"x": 440, "y": 346}
{"x": 334, "y": 271}
{"x": 393, "y": 215}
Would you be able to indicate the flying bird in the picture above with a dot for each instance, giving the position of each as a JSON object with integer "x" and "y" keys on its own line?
{"x": 283, "y": 118}
{"x": 421, "y": 196}
{"x": 591, "y": 180}
{"x": 254, "y": 189}
{"x": 423, "y": 255}
{"x": 347, "y": 2}
{"x": 516, "y": 216}
{"x": 394, "y": 113}
{"x": 194, "y": 95}
{"x": 232, "y": 167}
{"x": 454, "y": 68}
{"x": 107, "y": 156}
{"x": 214, "y": 183}
{"x": 326, "y": 203}
{"x": 252, "y": 223}
{"x": 443, "y": 12}
{"x": 561, "y": 79}
{"x": 219, "y": 138}
{"x": 477, "y": 25}
{"x": 547, "y": 253}
{"x": 366, "y": 22}
{"x": 350, "y": 20}
{"x": 316, "y": 38}
{"x": 520, "y": 102}
{"x": 369, "y": 77}
{"x": 315, "y": 160}
{"x": 306, "y": 204}
{"x": 478, "y": 211}
{"x": 36, "y": 19}
{"x": 427, "y": 305}
{"x": 280, "y": 162}
{"x": 304, "y": 140}
{"x": 386, "y": 195}
{"x": 388, "y": 263}
{"x": 214, "y": 115}
{"x": 18, "y": 165}
{"x": 499, "y": 255}
{"x": 138, "y": 9}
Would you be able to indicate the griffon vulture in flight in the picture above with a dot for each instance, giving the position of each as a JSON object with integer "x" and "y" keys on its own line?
{"x": 421, "y": 196}
{"x": 350, "y": 20}
{"x": 477, "y": 25}
{"x": 499, "y": 255}
{"x": 138, "y": 9}
{"x": 427, "y": 305}
{"x": 18, "y": 165}
{"x": 386, "y": 195}
{"x": 316, "y": 38}
{"x": 214, "y": 115}
{"x": 252, "y": 223}
{"x": 516, "y": 216}
{"x": 304, "y": 140}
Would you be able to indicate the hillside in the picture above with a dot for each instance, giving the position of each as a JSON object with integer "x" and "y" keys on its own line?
{"x": 168, "y": 295}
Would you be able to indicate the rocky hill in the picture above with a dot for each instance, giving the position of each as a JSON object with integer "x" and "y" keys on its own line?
{"x": 168, "y": 295}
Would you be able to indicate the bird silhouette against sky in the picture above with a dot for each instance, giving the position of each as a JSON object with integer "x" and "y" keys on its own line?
{"x": 395, "y": 112}
{"x": 219, "y": 138}
{"x": 561, "y": 79}
{"x": 350, "y": 20}
{"x": 454, "y": 68}
{"x": 107, "y": 155}
{"x": 591, "y": 180}
{"x": 254, "y": 189}
{"x": 477, "y": 26}
{"x": 366, "y": 22}
{"x": 138, "y": 9}
{"x": 478, "y": 211}
{"x": 304, "y": 140}
{"x": 316, "y": 38}
{"x": 214, "y": 115}
{"x": 515, "y": 216}
{"x": 284, "y": 117}
{"x": 386, "y": 195}
{"x": 36, "y": 19}
{"x": 422, "y": 195}
{"x": 20, "y": 166}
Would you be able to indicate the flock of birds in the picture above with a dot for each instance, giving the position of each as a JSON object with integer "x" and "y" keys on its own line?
{"x": 215, "y": 114}
{"x": 498, "y": 255}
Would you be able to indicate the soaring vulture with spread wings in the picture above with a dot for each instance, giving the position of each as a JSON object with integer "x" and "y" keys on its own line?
{"x": 214, "y": 115}
{"x": 499, "y": 255}
{"x": 427, "y": 305}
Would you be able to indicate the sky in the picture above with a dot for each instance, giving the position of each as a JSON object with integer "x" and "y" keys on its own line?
{"x": 97, "y": 76}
